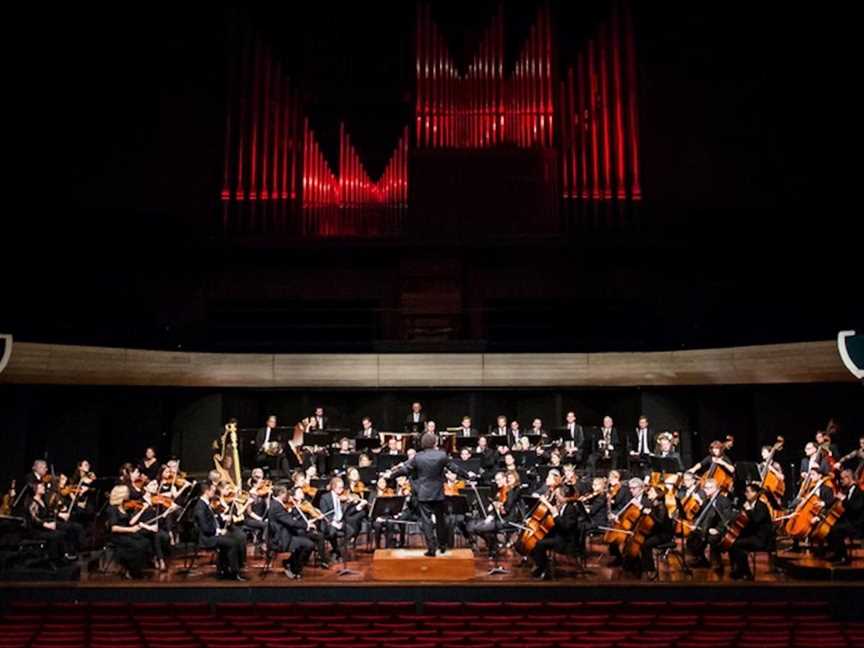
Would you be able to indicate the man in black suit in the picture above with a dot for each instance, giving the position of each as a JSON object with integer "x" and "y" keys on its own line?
{"x": 367, "y": 431}
{"x": 574, "y": 438}
{"x": 290, "y": 532}
{"x": 427, "y": 469}
{"x": 321, "y": 421}
{"x": 416, "y": 420}
{"x": 466, "y": 431}
{"x": 640, "y": 444}
{"x": 851, "y": 523}
{"x": 604, "y": 447}
{"x": 486, "y": 454}
{"x": 265, "y": 438}
{"x": 230, "y": 541}
{"x": 757, "y": 535}
{"x": 564, "y": 537}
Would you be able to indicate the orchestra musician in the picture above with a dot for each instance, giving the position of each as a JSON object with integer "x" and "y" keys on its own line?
{"x": 639, "y": 445}
{"x": 501, "y": 428}
{"x": 53, "y": 525}
{"x": 574, "y": 437}
{"x": 709, "y": 525}
{"x": 757, "y": 535}
{"x": 813, "y": 458}
{"x": 149, "y": 465}
{"x": 152, "y": 522}
{"x": 662, "y": 532}
{"x": 466, "y": 430}
{"x": 416, "y": 420}
{"x": 214, "y": 532}
{"x": 716, "y": 455}
{"x": 604, "y": 447}
{"x": 269, "y": 447}
{"x": 617, "y": 494}
{"x": 564, "y": 537}
{"x": 851, "y": 522}
{"x": 666, "y": 451}
{"x": 289, "y": 531}
{"x": 321, "y": 421}
{"x": 344, "y": 513}
{"x": 486, "y": 455}
{"x": 514, "y": 434}
{"x": 131, "y": 547}
{"x": 777, "y": 470}
{"x": 367, "y": 430}
{"x": 503, "y": 514}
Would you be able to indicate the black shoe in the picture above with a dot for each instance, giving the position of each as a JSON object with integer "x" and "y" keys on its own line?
{"x": 324, "y": 564}
{"x": 430, "y": 553}
{"x": 442, "y": 550}
{"x": 536, "y": 572}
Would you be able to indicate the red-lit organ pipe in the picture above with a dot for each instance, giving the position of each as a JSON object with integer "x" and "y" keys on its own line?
{"x": 262, "y": 142}
{"x": 392, "y": 188}
{"x": 599, "y": 108}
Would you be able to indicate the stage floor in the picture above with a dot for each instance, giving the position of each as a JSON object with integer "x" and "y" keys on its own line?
{"x": 597, "y": 575}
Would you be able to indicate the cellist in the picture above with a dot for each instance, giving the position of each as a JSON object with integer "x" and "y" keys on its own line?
{"x": 716, "y": 455}
{"x": 710, "y": 523}
{"x": 649, "y": 504}
{"x": 564, "y": 537}
{"x": 851, "y": 522}
{"x": 755, "y": 536}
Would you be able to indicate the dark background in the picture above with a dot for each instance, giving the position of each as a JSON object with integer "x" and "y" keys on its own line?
{"x": 111, "y": 234}
{"x": 113, "y": 425}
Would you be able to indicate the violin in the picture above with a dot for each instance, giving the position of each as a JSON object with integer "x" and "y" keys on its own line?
{"x": 387, "y": 492}
{"x": 133, "y": 505}
{"x": 310, "y": 491}
{"x": 161, "y": 500}
{"x": 451, "y": 490}
{"x": 265, "y": 488}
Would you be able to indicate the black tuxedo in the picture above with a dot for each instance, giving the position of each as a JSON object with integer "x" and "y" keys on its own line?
{"x": 472, "y": 433}
{"x": 633, "y": 441}
{"x": 419, "y": 426}
{"x": 576, "y": 435}
{"x": 565, "y": 536}
{"x": 757, "y": 535}
{"x": 231, "y": 545}
{"x": 373, "y": 434}
{"x": 261, "y": 436}
{"x": 288, "y": 533}
{"x": 321, "y": 422}
{"x": 427, "y": 469}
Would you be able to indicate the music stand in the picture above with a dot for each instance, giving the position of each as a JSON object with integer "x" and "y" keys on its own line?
{"x": 339, "y": 462}
{"x": 320, "y": 439}
{"x": 386, "y": 508}
{"x": 465, "y": 442}
{"x": 387, "y": 461}
{"x": 364, "y": 445}
{"x": 666, "y": 465}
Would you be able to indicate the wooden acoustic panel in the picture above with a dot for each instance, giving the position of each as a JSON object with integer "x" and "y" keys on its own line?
{"x": 805, "y": 362}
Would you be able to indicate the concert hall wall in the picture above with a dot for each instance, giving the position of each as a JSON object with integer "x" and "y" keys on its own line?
{"x": 110, "y": 425}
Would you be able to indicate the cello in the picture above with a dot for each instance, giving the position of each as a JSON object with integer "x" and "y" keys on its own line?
{"x": 827, "y": 519}
{"x": 539, "y": 522}
{"x": 800, "y": 523}
{"x": 642, "y": 527}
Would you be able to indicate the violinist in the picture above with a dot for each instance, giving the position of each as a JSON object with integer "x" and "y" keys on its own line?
{"x": 594, "y": 504}
{"x": 53, "y": 526}
{"x": 756, "y": 535}
{"x": 617, "y": 495}
{"x": 255, "y": 511}
{"x": 38, "y": 475}
{"x": 313, "y": 532}
{"x": 715, "y": 456}
{"x": 288, "y": 531}
{"x": 341, "y": 516}
{"x": 152, "y": 520}
{"x": 851, "y": 522}
{"x": 130, "y": 545}
{"x": 83, "y": 496}
{"x": 214, "y": 533}
{"x": 149, "y": 465}
{"x": 564, "y": 537}
{"x": 502, "y": 515}
{"x": 130, "y": 476}
{"x": 709, "y": 525}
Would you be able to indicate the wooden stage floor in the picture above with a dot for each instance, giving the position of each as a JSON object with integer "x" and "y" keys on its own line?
{"x": 597, "y": 578}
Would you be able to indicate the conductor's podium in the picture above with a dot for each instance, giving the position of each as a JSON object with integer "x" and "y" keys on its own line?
{"x": 412, "y": 565}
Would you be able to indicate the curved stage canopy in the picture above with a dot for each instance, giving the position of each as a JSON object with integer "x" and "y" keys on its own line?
{"x": 804, "y": 362}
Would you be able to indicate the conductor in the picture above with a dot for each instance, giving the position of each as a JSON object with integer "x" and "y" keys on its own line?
{"x": 427, "y": 471}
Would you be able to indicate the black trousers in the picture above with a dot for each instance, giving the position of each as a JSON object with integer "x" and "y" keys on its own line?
{"x": 540, "y": 553}
{"x": 232, "y": 550}
{"x": 130, "y": 551}
{"x": 487, "y": 529}
{"x": 301, "y": 548}
{"x": 738, "y": 554}
{"x": 433, "y": 523}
